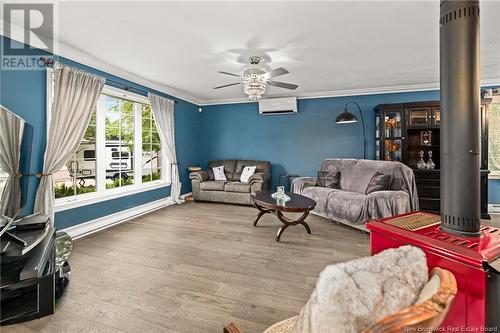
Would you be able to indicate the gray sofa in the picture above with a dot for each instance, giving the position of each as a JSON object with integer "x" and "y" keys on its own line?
{"x": 349, "y": 204}
{"x": 205, "y": 188}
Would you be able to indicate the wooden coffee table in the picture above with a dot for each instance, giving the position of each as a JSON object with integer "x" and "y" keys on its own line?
{"x": 297, "y": 204}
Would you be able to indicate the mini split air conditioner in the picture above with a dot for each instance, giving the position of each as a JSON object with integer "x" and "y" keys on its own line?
{"x": 271, "y": 106}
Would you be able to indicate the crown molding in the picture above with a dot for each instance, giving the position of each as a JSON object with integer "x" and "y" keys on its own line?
{"x": 17, "y": 33}
{"x": 333, "y": 93}
{"x": 348, "y": 92}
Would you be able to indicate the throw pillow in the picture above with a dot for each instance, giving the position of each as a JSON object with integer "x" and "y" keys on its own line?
{"x": 219, "y": 173}
{"x": 329, "y": 179}
{"x": 247, "y": 172}
{"x": 354, "y": 295}
{"x": 379, "y": 182}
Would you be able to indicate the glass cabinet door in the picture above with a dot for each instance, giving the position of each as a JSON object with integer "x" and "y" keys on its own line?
{"x": 377, "y": 149}
{"x": 436, "y": 117}
{"x": 392, "y": 124}
{"x": 419, "y": 117}
{"x": 392, "y": 149}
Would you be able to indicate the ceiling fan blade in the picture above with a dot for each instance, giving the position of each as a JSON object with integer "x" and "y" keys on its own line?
{"x": 227, "y": 73}
{"x": 227, "y": 85}
{"x": 276, "y": 72}
{"x": 283, "y": 85}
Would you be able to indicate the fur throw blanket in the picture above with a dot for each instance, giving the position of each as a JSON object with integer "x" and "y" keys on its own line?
{"x": 353, "y": 295}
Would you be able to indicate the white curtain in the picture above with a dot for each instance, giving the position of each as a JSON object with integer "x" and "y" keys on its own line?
{"x": 163, "y": 110}
{"x": 75, "y": 97}
{"x": 11, "y": 135}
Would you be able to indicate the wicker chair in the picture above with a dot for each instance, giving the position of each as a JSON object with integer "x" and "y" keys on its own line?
{"x": 429, "y": 313}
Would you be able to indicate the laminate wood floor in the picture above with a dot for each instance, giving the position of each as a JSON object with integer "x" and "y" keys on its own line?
{"x": 193, "y": 268}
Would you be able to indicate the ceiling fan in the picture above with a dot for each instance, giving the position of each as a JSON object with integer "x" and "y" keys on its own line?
{"x": 255, "y": 80}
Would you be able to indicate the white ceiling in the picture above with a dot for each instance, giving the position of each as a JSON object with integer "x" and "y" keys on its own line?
{"x": 329, "y": 48}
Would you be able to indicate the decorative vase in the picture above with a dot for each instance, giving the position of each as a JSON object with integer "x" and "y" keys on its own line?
{"x": 430, "y": 163}
{"x": 425, "y": 138}
{"x": 421, "y": 164}
{"x": 280, "y": 190}
{"x": 280, "y": 196}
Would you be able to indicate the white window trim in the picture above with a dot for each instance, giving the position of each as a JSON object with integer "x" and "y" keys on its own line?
{"x": 86, "y": 199}
{"x": 494, "y": 175}
{"x": 102, "y": 194}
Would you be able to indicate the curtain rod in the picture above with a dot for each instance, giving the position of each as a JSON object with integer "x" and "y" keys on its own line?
{"x": 50, "y": 63}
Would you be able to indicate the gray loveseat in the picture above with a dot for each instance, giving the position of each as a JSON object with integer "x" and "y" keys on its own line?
{"x": 349, "y": 204}
{"x": 205, "y": 188}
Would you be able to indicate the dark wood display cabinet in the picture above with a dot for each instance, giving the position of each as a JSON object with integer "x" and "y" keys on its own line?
{"x": 403, "y": 130}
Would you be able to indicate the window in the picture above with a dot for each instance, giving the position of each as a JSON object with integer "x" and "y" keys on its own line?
{"x": 104, "y": 165}
{"x": 494, "y": 137}
{"x": 119, "y": 141}
{"x": 151, "y": 146}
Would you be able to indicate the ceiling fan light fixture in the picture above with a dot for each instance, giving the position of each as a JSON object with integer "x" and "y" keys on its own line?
{"x": 254, "y": 85}
{"x": 255, "y": 80}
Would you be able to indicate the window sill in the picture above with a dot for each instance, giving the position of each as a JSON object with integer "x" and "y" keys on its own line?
{"x": 63, "y": 204}
{"x": 494, "y": 175}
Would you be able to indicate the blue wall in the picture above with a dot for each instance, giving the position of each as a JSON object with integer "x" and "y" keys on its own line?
{"x": 295, "y": 143}
{"x": 494, "y": 191}
{"x": 299, "y": 143}
{"x": 24, "y": 93}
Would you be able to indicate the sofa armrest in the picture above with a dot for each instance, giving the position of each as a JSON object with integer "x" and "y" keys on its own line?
{"x": 200, "y": 176}
{"x": 258, "y": 177}
{"x": 300, "y": 183}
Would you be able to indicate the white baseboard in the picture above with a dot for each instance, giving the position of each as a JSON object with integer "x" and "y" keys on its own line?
{"x": 102, "y": 223}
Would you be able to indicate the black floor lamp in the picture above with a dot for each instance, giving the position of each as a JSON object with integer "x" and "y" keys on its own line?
{"x": 347, "y": 117}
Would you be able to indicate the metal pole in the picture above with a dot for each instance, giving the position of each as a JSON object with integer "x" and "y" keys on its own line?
{"x": 362, "y": 124}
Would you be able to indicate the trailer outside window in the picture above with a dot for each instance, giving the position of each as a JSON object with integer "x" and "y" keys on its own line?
{"x": 89, "y": 155}
{"x": 78, "y": 176}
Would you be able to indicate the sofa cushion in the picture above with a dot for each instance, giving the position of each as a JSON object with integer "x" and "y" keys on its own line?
{"x": 219, "y": 173}
{"x": 388, "y": 203}
{"x": 379, "y": 182}
{"x": 261, "y": 167}
{"x": 328, "y": 179}
{"x": 229, "y": 166}
{"x": 397, "y": 184}
{"x": 212, "y": 185}
{"x": 358, "y": 178}
{"x": 346, "y": 205}
{"x": 351, "y": 296}
{"x": 321, "y": 196}
{"x": 237, "y": 187}
{"x": 248, "y": 171}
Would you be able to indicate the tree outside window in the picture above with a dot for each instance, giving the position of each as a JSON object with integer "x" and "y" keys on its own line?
{"x": 119, "y": 142}
{"x": 151, "y": 146}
